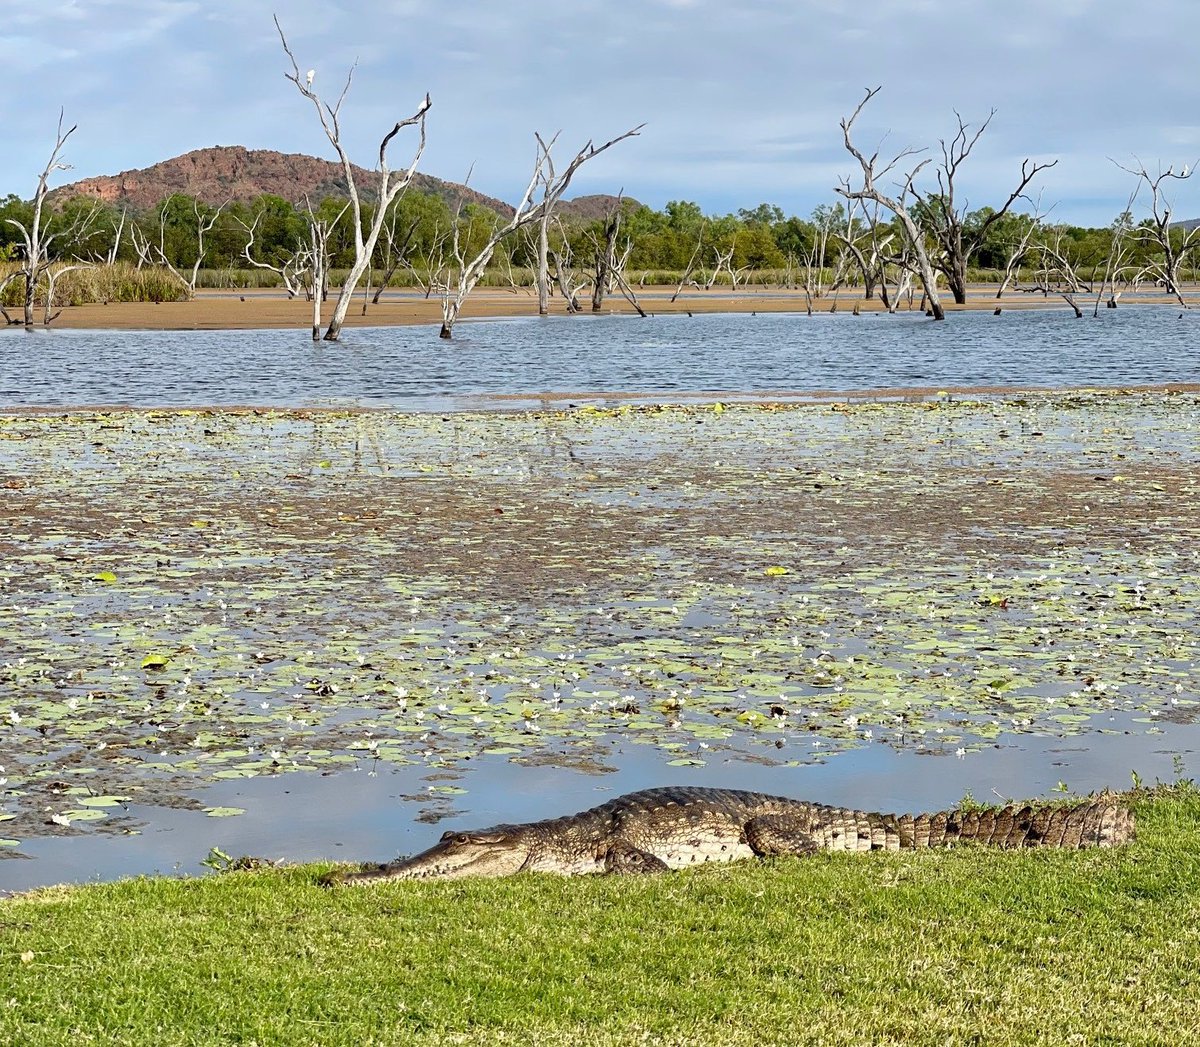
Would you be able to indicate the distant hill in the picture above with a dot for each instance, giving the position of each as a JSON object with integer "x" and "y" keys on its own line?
{"x": 590, "y": 208}
{"x": 232, "y": 172}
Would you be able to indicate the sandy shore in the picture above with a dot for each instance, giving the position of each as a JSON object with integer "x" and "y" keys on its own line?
{"x": 234, "y": 310}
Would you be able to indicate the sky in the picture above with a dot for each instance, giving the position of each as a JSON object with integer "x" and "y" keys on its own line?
{"x": 741, "y": 98}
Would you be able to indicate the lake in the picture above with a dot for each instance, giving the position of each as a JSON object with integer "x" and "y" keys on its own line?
{"x": 410, "y": 368}
{"x": 335, "y": 634}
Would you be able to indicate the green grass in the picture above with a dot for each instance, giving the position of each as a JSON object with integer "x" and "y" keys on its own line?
{"x": 966, "y": 946}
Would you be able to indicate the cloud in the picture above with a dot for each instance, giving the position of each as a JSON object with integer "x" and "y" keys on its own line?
{"x": 742, "y": 100}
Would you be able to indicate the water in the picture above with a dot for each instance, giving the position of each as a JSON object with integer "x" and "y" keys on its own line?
{"x": 410, "y": 368}
{"x": 353, "y": 815}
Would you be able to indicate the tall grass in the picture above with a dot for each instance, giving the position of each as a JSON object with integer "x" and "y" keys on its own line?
{"x": 121, "y": 282}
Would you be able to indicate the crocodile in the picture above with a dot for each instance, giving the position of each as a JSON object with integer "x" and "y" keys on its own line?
{"x": 657, "y": 830}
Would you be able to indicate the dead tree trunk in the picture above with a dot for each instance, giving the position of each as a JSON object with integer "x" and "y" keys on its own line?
{"x": 609, "y": 266}
{"x": 606, "y": 254}
{"x": 948, "y": 221}
{"x": 552, "y": 189}
{"x": 724, "y": 260}
{"x": 1019, "y": 251}
{"x": 1118, "y": 254}
{"x": 394, "y": 254}
{"x": 319, "y": 232}
{"x": 290, "y": 273}
{"x": 691, "y": 266}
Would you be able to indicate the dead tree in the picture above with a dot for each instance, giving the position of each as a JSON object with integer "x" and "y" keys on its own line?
{"x": 111, "y": 257}
{"x": 152, "y": 253}
{"x": 605, "y": 254}
{"x": 723, "y": 260}
{"x": 1057, "y": 273}
{"x": 905, "y": 267}
{"x": 610, "y": 265}
{"x": 1156, "y": 231}
{"x": 553, "y": 186}
{"x": 948, "y": 221}
{"x": 37, "y": 239}
{"x": 395, "y": 250}
{"x": 814, "y": 261}
{"x": 464, "y": 273}
{"x": 1057, "y": 268}
{"x": 691, "y": 266}
{"x": 319, "y": 232}
{"x": 570, "y": 284}
{"x": 824, "y": 219}
{"x": 386, "y": 189}
{"x": 869, "y": 259}
{"x": 291, "y": 272}
{"x": 870, "y": 191}
{"x": 436, "y": 265}
{"x": 1119, "y": 251}
{"x": 1019, "y": 250}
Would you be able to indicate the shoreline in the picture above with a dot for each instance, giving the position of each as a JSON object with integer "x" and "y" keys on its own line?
{"x": 215, "y": 310}
{"x": 556, "y": 402}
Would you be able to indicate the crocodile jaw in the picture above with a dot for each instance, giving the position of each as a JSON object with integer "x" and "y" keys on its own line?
{"x": 458, "y": 854}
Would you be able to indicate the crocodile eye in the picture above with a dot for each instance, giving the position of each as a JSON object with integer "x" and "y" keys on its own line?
{"x": 462, "y": 838}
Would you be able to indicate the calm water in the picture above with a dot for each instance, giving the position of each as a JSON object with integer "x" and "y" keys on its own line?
{"x": 356, "y": 816}
{"x": 409, "y": 367}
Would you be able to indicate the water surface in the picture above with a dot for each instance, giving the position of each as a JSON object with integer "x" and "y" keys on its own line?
{"x": 409, "y": 367}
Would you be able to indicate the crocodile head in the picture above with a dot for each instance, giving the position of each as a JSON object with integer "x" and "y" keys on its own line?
{"x": 487, "y": 852}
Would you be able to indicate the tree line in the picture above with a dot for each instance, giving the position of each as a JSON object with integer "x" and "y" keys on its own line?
{"x": 662, "y": 241}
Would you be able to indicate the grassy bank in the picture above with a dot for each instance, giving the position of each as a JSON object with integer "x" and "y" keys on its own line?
{"x": 952, "y": 947}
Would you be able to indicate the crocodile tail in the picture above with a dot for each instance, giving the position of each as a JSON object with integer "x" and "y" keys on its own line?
{"x": 1097, "y": 823}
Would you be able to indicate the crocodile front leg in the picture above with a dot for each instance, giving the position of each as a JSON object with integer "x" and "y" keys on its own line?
{"x": 622, "y": 857}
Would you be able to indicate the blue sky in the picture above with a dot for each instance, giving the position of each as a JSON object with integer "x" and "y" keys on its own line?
{"x": 741, "y": 99}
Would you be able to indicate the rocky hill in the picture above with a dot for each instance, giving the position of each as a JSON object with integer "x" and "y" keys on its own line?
{"x": 591, "y": 208}
{"x": 232, "y": 172}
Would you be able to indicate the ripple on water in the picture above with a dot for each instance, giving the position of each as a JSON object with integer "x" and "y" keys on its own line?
{"x": 409, "y": 367}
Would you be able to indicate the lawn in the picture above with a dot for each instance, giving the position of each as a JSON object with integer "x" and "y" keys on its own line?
{"x": 961, "y": 946}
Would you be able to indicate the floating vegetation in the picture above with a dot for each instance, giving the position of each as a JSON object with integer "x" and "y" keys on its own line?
{"x": 191, "y": 596}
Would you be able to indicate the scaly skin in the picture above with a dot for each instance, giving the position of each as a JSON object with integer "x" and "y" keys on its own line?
{"x": 674, "y": 827}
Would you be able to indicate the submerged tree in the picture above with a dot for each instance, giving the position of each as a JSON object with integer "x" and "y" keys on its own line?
{"x": 1169, "y": 246}
{"x": 466, "y": 268}
{"x": 869, "y": 190}
{"x": 958, "y": 236}
{"x": 387, "y": 187}
{"x": 553, "y": 185}
{"x": 37, "y": 237}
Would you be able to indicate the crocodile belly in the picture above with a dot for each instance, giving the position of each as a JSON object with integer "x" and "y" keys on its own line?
{"x": 700, "y": 845}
